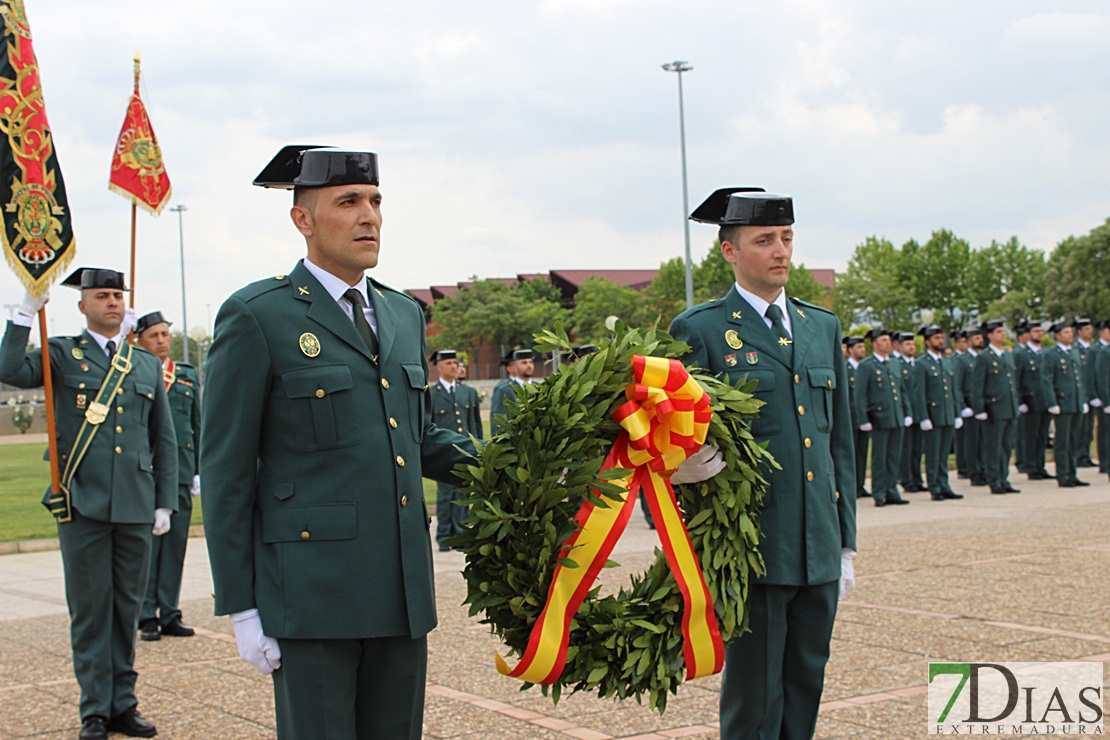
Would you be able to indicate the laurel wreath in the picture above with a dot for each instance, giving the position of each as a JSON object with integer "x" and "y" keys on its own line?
{"x": 533, "y": 476}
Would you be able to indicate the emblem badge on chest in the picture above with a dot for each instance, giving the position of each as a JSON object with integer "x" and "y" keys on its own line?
{"x": 309, "y": 344}
{"x": 752, "y": 358}
{"x": 78, "y": 353}
{"x": 732, "y": 339}
{"x": 730, "y": 360}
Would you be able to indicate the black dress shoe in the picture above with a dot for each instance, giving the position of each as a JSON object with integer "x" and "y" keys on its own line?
{"x": 1047, "y": 475}
{"x": 1035, "y": 476}
{"x": 1080, "y": 482}
{"x": 938, "y": 497}
{"x": 1011, "y": 489}
{"x": 444, "y": 548}
{"x": 998, "y": 490}
{"x": 978, "y": 481}
{"x": 177, "y": 628}
{"x": 951, "y": 495}
{"x": 93, "y": 728}
{"x": 148, "y": 630}
{"x": 132, "y": 724}
{"x": 880, "y": 502}
{"x": 962, "y": 476}
{"x": 897, "y": 502}
{"x": 1065, "y": 484}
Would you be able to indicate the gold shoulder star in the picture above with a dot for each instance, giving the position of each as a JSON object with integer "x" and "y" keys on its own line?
{"x": 302, "y": 290}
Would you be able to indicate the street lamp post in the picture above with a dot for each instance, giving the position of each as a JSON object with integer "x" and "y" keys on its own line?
{"x": 679, "y": 67}
{"x": 180, "y": 210}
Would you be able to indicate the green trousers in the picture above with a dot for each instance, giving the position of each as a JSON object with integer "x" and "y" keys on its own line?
{"x": 973, "y": 448}
{"x": 998, "y": 439}
{"x": 167, "y": 561}
{"x": 1035, "y": 440}
{"x": 1065, "y": 446}
{"x": 1021, "y": 429}
{"x": 371, "y": 689}
{"x": 913, "y": 448}
{"x": 449, "y": 515}
{"x": 1086, "y": 436}
{"x": 861, "y": 440}
{"x": 886, "y": 450}
{"x": 105, "y": 570}
{"x": 1103, "y": 441}
{"x": 774, "y": 675}
{"x": 937, "y": 443}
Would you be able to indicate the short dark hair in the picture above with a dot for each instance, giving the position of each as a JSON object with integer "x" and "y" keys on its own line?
{"x": 729, "y": 233}
{"x": 304, "y": 197}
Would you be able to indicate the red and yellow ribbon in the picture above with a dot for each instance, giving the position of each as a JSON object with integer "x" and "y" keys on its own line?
{"x": 664, "y": 422}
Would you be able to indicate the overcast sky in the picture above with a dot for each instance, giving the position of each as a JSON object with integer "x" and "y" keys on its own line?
{"x": 520, "y": 136}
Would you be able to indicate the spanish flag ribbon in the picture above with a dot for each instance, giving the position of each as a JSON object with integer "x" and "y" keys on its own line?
{"x": 664, "y": 421}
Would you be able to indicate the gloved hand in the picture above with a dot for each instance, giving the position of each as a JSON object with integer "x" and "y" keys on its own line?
{"x": 1023, "y": 409}
{"x": 1096, "y": 402}
{"x": 967, "y": 413}
{"x": 702, "y": 465}
{"x": 1054, "y": 410}
{"x": 866, "y": 427}
{"x": 847, "y": 572}
{"x": 161, "y": 522}
{"x": 194, "y": 490}
{"x": 959, "y": 423}
{"x": 32, "y": 305}
{"x": 908, "y": 421}
{"x": 255, "y": 647}
{"x": 1086, "y": 408}
{"x": 982, "y": 416}
{"x": 130, "y": 320}
{"x": 927, "y": 425}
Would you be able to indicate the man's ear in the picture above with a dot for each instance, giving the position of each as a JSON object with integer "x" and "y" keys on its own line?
{"x": 302, "y": 219}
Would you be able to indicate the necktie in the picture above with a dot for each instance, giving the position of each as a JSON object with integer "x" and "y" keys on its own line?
{"x": 111, "y": 347}
{"x": 361, "y": 324}
{"x": 786, "y": 344}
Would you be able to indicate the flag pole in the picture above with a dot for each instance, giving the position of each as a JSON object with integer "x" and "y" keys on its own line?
{"x": 134, "y": 208}
{"x": 51, "y": 425}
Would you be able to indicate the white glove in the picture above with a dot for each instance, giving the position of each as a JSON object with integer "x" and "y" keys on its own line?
{"x": 702, "y": 465}
{"x": 866, "y": 427}
{"x": 959, "y": 423}
{"x": 129, "y": 322}
{"x": 908, "y": 421}
{"x": 255, "y": 647}
{"x": 1023, "y": 409}
{"x": 1096, "y": 402}
{"x": 927, "y": 425}
{"x": 32, "y": 305}
{"x": 161, "y": 522}
{"x": 982, "y": 416}
{"x": 967, "y": 413}
{"x": 1054, "y": 410}
{"x": 847, "y": 572}
{"x": 1086, "y": 408}
{"x": 194, "y": 489}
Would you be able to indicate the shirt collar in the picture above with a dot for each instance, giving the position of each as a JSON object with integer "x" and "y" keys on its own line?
{"x": 761, "y": 305}
{"x": 934, "y": 355}
{"x": 335, "y": 286}
{"x": 103, "y": 340}
{"x": 854, "y": 363}
{"x": 448, "y": 386}
{"x": 997, "y": 351}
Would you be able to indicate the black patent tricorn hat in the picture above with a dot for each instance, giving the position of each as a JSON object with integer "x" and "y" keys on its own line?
{"x": 151, "y": 319}
{"x": 516, "y": 354}
{"x": 316, "y": 166}
{"x": 442, "y": 354}
{"x": 930, "y": 331}
{"x": 877, "y": 332}
{"x": 84, "y": 278}
{"x": 745, "y": 207}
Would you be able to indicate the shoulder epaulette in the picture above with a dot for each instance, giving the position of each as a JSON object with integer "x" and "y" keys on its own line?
{"x": 382, "y": 288}
{"x": 261, "y": 287}
{"x": 807, "y": 304}
{"x": 700, "y": 308}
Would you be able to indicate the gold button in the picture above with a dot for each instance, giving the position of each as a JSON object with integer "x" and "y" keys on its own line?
{"x": 401, "y": 461}
{"x": 319, "y": 392}
{"x": 829, "y": 382}
{"x": 797, "y": 380}
{"x": 801, "y": 410}
{"x": 119, "y": 409}
{"x": 404, "y": 501}
{"x": 80, "y": 385}
{"x": 385, "y": 383}
{"x": 809, "y": 442}
{"x": 119, "y": 429}
{"x": 118, "y": 450}
{"x": 809, "y": 475}
{"x": 392, "y": 422}
{"x": 305, "y": 535}
{"x": 150, "y": 395}
{"x": 279, "y": 277}
{"x": 838, "y": 495}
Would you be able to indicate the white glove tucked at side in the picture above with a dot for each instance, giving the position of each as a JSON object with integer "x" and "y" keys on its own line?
{"x": 982, "y": 416}
{"x": 255, "y": 647}
{"x": 1054, "y": 410}
{"x": 967, "y": 413}
{"x": 194, "y": 490}
{"x": 1023, "y": 409}
{"x": 161, "y": 522}
{"x": 847, "y": 572}
{"x": 908, "y": 421}
{"x": 927, "y": 425}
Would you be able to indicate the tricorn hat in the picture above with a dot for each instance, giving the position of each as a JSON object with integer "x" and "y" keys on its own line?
{"x": 877, "y": 332}
{"x": 744, "y": 207}
{"x": 315, "y": 166}
{"x": 930, "y": 331}
{"x": 988, "y": 326}
{"x": 1060, "y": 326}
{"x": 516, "y": 354}
{"x": 442, "y": 354}
{"x": 151, "y": 319}
{"x": 84, "y": 278}
{"x": 1081, "y": 321}
{"x": 852, "y": 341}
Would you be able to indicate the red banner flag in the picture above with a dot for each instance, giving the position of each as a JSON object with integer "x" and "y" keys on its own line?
{"x": 138, "y": 173}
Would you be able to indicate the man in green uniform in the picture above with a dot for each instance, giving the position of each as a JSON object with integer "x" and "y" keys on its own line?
{"x": 936, "y": 411}
{"x": 961, "y": 361}
{"x": 1021, "y": 348}
{"x": 885, "y": 412}
{"x": 1033, "y": 405}
{"x": 856, "y": 347}
{"x": 913, "y": 448}
{"x": 994, "y": 400}
{"x": 1084, "y": 343}
{"x": 973, "y": 427}
{"x": 160, "y": 614}
{"x": 774, "y": 675}
{"x": 454, "y": 407}
{"x": 1063, "y": 384}
{"x": 518, "y": 364}
{"x": 1101, "y": 403}
{"x": 119, "y": 483}
{"x": 317, "y": 432}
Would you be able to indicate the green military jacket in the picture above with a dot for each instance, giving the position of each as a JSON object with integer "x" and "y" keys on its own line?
{"x": 993, "y": 385}
{"x": 857, "y": 422}
{"x": 1089, "y": 356}
{"x": 1030, "y": 386}
{"x": 184, "y": 395}
{"x": 911, "y": 387}
{"x": 130, "y": 468}
{"x": 1102, "y": 373}
{"x": 313, "y": 455}
{"x": 936, "y": 399}
{"x": 961, "y": 368}
{"x": 503, "y": 391}
{"x": 879, "y": 396}
{"x": 806, "y": 423}
{"x": 1063, "y": 379}
{"x": 458, "y": 412}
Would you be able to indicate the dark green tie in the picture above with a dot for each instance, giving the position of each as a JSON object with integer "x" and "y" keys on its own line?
{"x": 361, "y": 324}
{"x": 111, "y": 347}
{"x": 786, "y": 344}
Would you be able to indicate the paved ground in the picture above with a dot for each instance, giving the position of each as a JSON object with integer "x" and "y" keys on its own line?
{"x": 990, "y": 578}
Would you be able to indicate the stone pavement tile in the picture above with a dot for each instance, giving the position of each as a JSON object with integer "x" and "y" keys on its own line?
{"x": 28, "y": 712}
{"x": 830, "y": 728}
{"x": 887, "y": 716}
{"x": 181, "y": 719}
{"x": 25, "y": 666}
{"x": 450, "y": 718}
{"x": 205, "y": 686}
{"x": 173, "y": 650}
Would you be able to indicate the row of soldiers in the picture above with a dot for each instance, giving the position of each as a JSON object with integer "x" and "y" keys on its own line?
{"x": 982, "y": 401}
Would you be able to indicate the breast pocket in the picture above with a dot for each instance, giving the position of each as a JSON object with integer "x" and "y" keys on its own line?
{"x": 317, "y": 393}
{"x": 767, "y": 423}
{"x": 417, "y": 385}
{"x": 141, "y": 403}
{"x": 822, "y": 384}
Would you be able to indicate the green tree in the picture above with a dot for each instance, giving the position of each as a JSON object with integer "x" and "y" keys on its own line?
{"x": 1007, "y": 280}
{"x": 596, "y": 300}
{"x": 665, "y": 297}
{"x": 1076, "y": 272}
{"x": 873, "y": 286}
{"x": 936, "y": 273}
{"x": 495, "y": 313}
{"x": 713, "y": 277}
{"x": 803, "y": 286}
